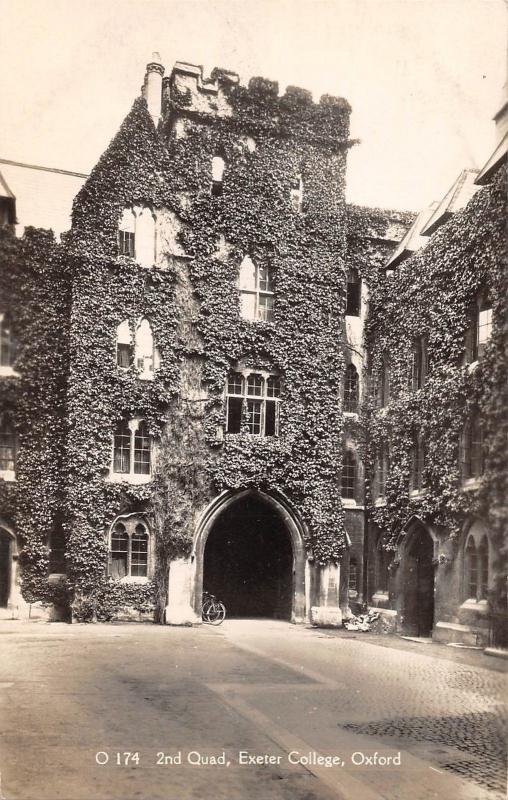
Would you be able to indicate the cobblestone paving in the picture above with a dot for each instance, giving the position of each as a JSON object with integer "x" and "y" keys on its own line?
{"x": 482, "y": 736}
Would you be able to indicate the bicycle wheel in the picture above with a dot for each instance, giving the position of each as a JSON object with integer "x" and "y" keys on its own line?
{"x": 206, "y": 609}
{"x": 217, "y": 613}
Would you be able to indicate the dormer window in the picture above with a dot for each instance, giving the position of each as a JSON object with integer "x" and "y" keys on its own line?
{"x": 353, "y": 297}
{"x": 256, "y": 291}
{"x": 218, "y": 166}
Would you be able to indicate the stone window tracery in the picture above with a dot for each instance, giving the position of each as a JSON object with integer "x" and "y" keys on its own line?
{"x": 348, "y": 476}
{"x": 129, "y": 548}
{"x": 476, "y": 565}
{"x": 253, "y": 403}
{"x": 132, "y": 449}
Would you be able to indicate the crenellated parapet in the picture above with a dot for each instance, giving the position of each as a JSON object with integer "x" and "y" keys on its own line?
{"x": 257, "y": 106}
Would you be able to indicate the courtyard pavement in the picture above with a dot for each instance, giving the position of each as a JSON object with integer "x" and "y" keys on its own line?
{"x": 253, "y": 710}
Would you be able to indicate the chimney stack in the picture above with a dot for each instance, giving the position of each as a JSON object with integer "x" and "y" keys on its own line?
{"x": 152, "y": 87}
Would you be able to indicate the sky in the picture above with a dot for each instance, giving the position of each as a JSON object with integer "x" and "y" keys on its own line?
{"x": 424, "y": 77}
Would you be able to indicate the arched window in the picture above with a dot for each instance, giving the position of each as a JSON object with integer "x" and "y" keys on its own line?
{"x": 476, "y": 565}
{"x": 351, "y": 389}
{"x": 145, "y": 353}
{"x": 139, "y": 550}
{"x": 296, "y": 194}
{"x": 145, "y": 237}
{"x": 124, "y": 349}
{"x": 353, "y": 297}
{"x": 132, "y": 448}
{"x": 256, "y": 291}
{"x": 473, "y": 448}
{"x": 254, "y": 401}
{"x": 418, "y": 460}
{"x": 136, "y": 235}
{"x": 129, "y": 549}
{"x": 7, "y": 343}
{"x": 348, "y": 477}
{"x": 119, "y": 551}
{"x": 142, "y": 448}
{"x": 418, "y": 364}
{"x": 218, "y": 167}
{"x": 8, "y": 445}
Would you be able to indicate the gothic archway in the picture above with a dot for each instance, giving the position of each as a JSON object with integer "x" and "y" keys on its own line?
{"x": 417, "y": 581}
{"x": 249, "y": 551}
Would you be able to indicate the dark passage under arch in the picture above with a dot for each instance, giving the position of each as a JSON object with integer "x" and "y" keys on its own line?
{"x": 248, "y": 561}
{"x": 418, "y": 573}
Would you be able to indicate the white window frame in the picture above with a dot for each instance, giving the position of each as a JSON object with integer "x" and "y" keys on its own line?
{"x": 130, "y": 522}
{"x": 131, "y": 476}
{"x": 262, "y": 398}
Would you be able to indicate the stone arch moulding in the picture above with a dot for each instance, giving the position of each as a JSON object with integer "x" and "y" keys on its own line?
{"x": 295, "y": 529}
{"x": 408, "y": 530}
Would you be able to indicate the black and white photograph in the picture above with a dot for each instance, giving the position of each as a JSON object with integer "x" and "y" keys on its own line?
{"x": 253, "y": 399}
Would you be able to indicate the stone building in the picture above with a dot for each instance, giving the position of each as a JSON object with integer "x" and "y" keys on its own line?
{"x": 194, "y": 407}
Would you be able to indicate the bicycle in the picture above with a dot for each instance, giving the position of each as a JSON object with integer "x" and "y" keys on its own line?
{"x": 212, "y": 610}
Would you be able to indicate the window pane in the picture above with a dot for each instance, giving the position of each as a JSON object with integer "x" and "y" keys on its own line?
{"x": 139, "y": 552}
{"x": 247, "y": 275}
{"x": 234, "y": 415}
{"x": 348, "y": 478}
{"x": 124, "y": 355}
{"x": 254, "y": 416}
{"x": 6, "y": 344}
{"x": 255, "y": 385}
{"x": 7, "y": 448}
{"x": 351, "y": 389}
{"x": 142, "y": 450}
{"x": 273, "y": 386}
{"x": 265, "y": 308}
{"x": 119, "y": 548}
{"x": 235, "y": 383}
{"x": 126, "y": 243}
{"x": 484, "y": 328}
{"x": 247, "y": 305}
{"x": 122, "y": 448}
{"x": 265, "y": 278}
{"x": 353, "y": 293}
{"x": 271, "y": 414}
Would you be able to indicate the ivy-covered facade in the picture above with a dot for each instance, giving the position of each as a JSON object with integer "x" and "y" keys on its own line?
{"x": 192, "y": 395}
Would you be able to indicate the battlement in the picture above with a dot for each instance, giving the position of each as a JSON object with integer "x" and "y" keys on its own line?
{"x": 187, "y": 91}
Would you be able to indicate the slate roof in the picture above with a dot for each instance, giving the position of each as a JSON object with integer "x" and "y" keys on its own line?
{"x": 456, "y": 198}
{"x": 43, "y": 195}
{"x": 413, "y": 240}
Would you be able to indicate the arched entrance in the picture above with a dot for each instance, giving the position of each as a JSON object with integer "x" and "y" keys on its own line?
{"x": 418, "y": 582}
{"x": 6, "y": 566}
{"x": 249, "y": 552}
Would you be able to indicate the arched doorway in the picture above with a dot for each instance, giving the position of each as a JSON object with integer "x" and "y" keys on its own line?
{"x": 418, "y": 583}
{"x": 248, "y": 560}
{"x": 6, "y": 545}
{"x": 249, "y": 551}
